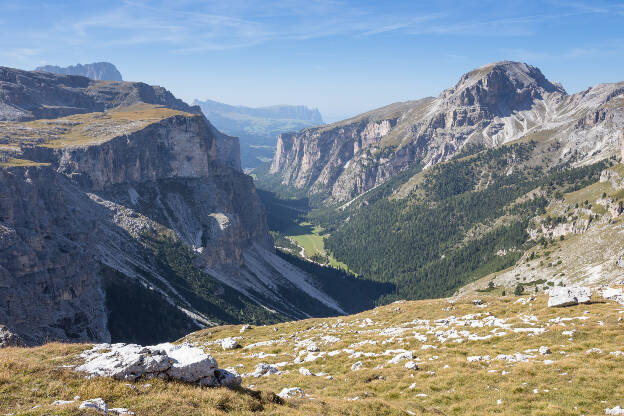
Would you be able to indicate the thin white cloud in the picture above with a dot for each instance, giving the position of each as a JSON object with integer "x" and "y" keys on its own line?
{"x": 192, "y": 26}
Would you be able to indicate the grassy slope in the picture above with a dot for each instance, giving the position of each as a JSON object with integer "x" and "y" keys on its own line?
{"x": 575, "y": 383}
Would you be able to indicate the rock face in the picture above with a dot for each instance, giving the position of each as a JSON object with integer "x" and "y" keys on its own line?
{"x": 87, "y": 200}
{"x": 490, "y": 106}
{"x": 9, "y": 339}
{"x": 568, "y": 296}
{"x": 99, "y": 71}
{"x": 175, "y": 362}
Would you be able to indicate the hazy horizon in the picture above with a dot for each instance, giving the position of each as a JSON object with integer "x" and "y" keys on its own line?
{"x": 341, "y": 57}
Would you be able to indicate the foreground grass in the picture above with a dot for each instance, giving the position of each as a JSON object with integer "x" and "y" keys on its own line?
{"x": 571, "y": 382}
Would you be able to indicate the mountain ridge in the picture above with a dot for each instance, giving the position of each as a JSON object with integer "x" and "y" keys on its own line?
{"x": 489, "y": 106}
{"x": 99, "y": 71}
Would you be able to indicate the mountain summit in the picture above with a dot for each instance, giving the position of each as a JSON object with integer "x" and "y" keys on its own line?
{"x": 99, "y": 71}
{"x": 501, "y": 88}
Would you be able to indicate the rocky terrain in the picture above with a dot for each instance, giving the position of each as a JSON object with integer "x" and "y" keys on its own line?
{"x": 124, "y": 215}
{"x": 490, "y": 354}
{"x": 489, "y": 106}
{"x": 31, "y": 95}
{"x": 257, "y": 128}
{"x": 100, "y": 71}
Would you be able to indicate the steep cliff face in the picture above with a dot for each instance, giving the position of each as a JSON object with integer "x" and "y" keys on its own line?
{"x": 490, "y": 106}
{"x": 135, "y": 222}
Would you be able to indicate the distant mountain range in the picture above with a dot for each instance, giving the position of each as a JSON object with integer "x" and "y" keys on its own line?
{"x": 258, "y": 128}
{"x": 99, "y": 71}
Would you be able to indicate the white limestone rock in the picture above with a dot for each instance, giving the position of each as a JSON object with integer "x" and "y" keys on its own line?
{"x": 411, "y": 365}
{"x": 179, "y": 362}
{"x": 96, "y": 404}
{"x": 229, "y": 344}
{"x": 568, "y": 296}
{"x": 124, "y": 361}
{"x": 543, "y": 350}
{"x": 62, "y": 402}
{"x": 122, "y": 411}
{"x": 613, "y": 294}
{"x": 189, "y": 363}
{"x": 404, "y": 356}
{"x": 291, "y": 392}
{"x": 617, "y": 410}
{"x": 357, "y": 366}
{"x": 9, "y": 338}
{"x": 264, "y": 369}
{"x": 220, "y": 377}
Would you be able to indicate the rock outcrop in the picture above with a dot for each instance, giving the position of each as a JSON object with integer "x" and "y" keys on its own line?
{"x": 174, "y": 362}
{"x": 488, "y": 107}
{"x": 568, "y": 296}
{"x": 28, "y": 95}
{"x": 9, "y": 339}
{"x": 100, "y": 71}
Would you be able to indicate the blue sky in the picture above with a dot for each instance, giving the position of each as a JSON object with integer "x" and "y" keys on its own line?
{"x": 343, "y": 57}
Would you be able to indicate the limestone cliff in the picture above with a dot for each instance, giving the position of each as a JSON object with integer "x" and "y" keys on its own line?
{"x": 133, "y": 218}
{"x": 488, "y": 107}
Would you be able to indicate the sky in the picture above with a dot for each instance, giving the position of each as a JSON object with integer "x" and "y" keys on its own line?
{"x": 342, "y": 57}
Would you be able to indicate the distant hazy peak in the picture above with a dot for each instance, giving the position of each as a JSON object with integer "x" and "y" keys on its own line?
{"x": 294, "y": 112}
{"x": 101, "y": 71}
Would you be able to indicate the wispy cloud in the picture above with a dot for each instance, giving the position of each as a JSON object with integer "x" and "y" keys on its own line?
{"x": 192, "y": 26}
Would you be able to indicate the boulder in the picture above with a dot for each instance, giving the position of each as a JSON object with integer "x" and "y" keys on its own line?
{"x": 188, "y": 363}
{"x": 9, "y": 338}
{"x": 95, "y": 404}
{"x": 264, "y": 369}
{"x": 225, "y": 378}
{"x": 411, "y": 365}
{"x": 544, "y": 350}
{"x": 613, "y": 294}
{"x": 291, "y": 392}
{"x": 357, "y": 366}
{"x": 568, "y": 296}
{"x": 229, "y": 344}
{"x": 168, "y": 361}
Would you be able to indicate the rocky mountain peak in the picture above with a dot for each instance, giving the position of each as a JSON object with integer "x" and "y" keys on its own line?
{"x": 99, "y": 71}
{"x": 500, "y": 88}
